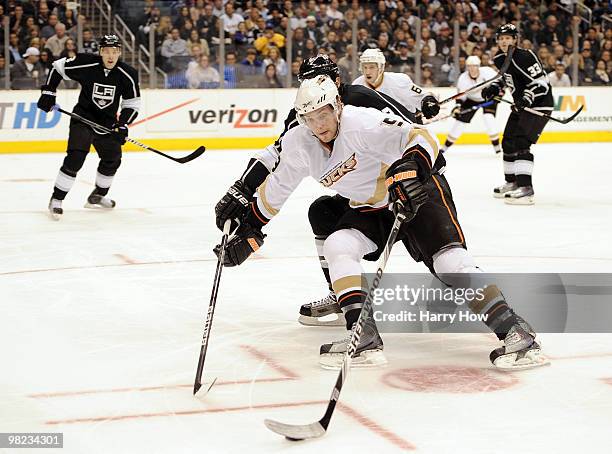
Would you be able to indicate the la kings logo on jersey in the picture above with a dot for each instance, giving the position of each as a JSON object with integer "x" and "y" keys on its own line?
{"x": 103, "y": 95}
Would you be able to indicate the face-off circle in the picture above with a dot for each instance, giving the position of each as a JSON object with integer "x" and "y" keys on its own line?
{"x": 449, "y": 379}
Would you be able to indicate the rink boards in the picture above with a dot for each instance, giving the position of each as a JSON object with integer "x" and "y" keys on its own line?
{"x": 248, "y": 118}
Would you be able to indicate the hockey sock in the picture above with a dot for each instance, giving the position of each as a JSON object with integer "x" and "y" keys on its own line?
{"x": 319, "y": 241}
{"x": 523, "y": 168}
{"x": 495, "y": 142}
{"x": 351, "y": 295}
{"x": 449, "y": 142}
{"x": 500, "y": 318}
{"x": 63, "y": 183}
{"x": 103, "y": 183}
{"x": 509, "y": 159}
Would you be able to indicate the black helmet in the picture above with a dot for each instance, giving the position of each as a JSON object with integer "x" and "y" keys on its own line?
{"x": 110, "y": 41}
{"x": 506, "y": 29}
{"x": 316, "y": 66}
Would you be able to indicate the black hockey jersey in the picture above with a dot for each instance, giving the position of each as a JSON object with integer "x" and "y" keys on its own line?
{"x": 526, "y": 74}
{"x": 355, "y": 95}
{"x": 103, "y": 91}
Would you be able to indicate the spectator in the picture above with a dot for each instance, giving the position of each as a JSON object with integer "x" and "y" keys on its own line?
{"x": 90, "y": 46}
{"x": 601, "y": 76}
{"x": 182, "y": 18}
{"x": 49, "y": 30}
{"x": 42, "y": 17}
{"x": 427, "y": 39}
{"x": 218, "y": 8}
{"x": 312, "y": 31}
{"x": 299, "y": 43}
{"x": 311, "y": 49}
{"x": 201, "y": 75}
{"x": 403, "y": 58}
{"x": 46, "y": 61}
{"x": 14, "y": 54}
{"x": 250, "y": 66}
{"x": 230, "y": 72}
{"x": 70, "y": 49}
{"x": 345, "y": 64}
{"x": 477, "y": 22}
{"x": 57, "y": 42}
{"x": 552, "y": 32}
{"x": 586, "y": 66}
{"x": 270, "y": 78}
{"x": 274, "y": 58}
{"x": 295, "y": 71}
{"x": 333, "y": 12}
{"x": 207, "y": 21}
{"x": 558, "y": 78}
{"x": 69, "y": 20}
{"x": 231, "y": 19}
{"x": 268, "y": 40}
{"x": 27, "y": 73}
{"x": 427, "y": 76}
{"x": 243, "y": 37}
{"x": 2, "y": 71}
{"x": 174, "y": 46}
{"x": 196, "y": 41}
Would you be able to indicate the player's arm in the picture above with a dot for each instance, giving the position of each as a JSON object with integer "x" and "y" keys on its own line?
{"x": 428, "y": 102}
{"x": 130, "y": 102}
{"x": 538, "y": 85}
{"x": 358, "y": 95}
{"x": 62, "y": 69}
{"x": 270, "y": 197}
{"x": 234, "y": 203}
{"x": 497, "y": 87}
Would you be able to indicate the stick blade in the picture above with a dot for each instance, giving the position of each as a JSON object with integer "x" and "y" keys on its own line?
{"x": 567, "y": 120}
{"x": 190, "y": 157}
{"x": 296, "y": 432}
{"x": 205, "y": 386}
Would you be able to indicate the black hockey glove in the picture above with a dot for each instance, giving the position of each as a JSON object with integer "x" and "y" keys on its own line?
{"x": 430, "y": 106}
{"x": 233, "y": 205}
{"x": 120, "y": 132}
{"x": 47, "y": 98}
{"x": 524, "y": 101}
{"x": 405, "y": 187}
{"x": 490, "y": 92}
{"x": 455, "y": 113}
{"x": 246, "y": 241}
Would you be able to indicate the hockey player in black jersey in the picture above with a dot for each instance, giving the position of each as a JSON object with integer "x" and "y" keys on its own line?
{"x": 107, "y": 85}
{"x": 235, "y": 203}
{"x": 529, "y": 85}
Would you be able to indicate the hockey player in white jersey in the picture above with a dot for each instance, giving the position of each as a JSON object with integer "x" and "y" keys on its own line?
{"x": 466, "y": 108}
{"x": 397, "y": 85}
{"x": 373, "y": 159}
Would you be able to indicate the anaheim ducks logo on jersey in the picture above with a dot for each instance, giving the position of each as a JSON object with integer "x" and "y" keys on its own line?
{"x": 339, "y": 171}
{"x": 103, "y": 95}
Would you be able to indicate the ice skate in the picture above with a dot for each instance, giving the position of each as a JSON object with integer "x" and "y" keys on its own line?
{"x": 99, "y": 202}
{"x": 520, "y": 196}
{"x": 324, "y": 312}
{"x": 369, "y": 351}
{"x": 55, "y": 209}
{"x": 500, "y": 191}
{"x": 520, "y": 351}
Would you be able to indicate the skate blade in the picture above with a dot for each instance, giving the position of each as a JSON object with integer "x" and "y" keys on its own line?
{"x": 527, "y": 200}
{"x": 366, "y": 360}
{"x": 55, "y": 216}
{"x": 500, "y": 195}
{"x": 326, "y": 320}
{"x": 97, "y": 207}
{"x": 532, "y": 359}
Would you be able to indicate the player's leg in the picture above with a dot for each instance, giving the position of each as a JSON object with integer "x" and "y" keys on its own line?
{"x": 109, "y": 151}
{"x": 324, "y": 214}
{"x": 79, "y": 142}
{"x": 491, "y": 125}
{"x": 509, "y": 155}
{"x": 459, "y": 124}
{"x": 529, "y": 130}
{"x": 343, "y": 251}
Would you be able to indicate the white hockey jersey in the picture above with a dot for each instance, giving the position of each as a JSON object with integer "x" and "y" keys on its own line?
{"x": 368, "y": 142}
{"x": 400, "y": 87}
{"x": 465, "y": 81}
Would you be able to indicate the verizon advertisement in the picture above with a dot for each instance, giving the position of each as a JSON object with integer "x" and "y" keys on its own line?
{"x": 250, "y": 116}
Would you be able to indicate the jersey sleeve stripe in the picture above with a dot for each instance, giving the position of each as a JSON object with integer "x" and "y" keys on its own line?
{"x": 81, "y": 66}
{"x": 135, "y": 92}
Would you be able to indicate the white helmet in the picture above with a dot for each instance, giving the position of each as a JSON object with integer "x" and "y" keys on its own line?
{"x": 314, "y": 94}
{"x": 472, "y": 60}
{"x": 372, "y": 56}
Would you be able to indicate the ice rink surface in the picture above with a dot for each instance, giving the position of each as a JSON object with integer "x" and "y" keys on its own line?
{"x": 102, "y": 313}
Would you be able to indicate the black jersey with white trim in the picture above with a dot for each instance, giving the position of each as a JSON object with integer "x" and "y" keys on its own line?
{"x": 526, "y": 75}
{"x": 354, "y": 95}
{"x": 103, "y": 91}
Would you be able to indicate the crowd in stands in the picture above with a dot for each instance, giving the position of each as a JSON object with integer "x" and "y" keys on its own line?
{"x": 187, "y": 37}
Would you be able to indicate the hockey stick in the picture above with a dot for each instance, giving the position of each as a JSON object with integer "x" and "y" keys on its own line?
{"x": 211, "y": 312}
{"x": 544, "y": 114}
{"x": 183, "y": 160}
{"x": 499, "y": 74}
{"x": 317, "y": 429}
{"x": 464, "y": 111}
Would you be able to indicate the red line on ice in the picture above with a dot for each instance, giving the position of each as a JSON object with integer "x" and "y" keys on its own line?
{"x": 271, "y": 362}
